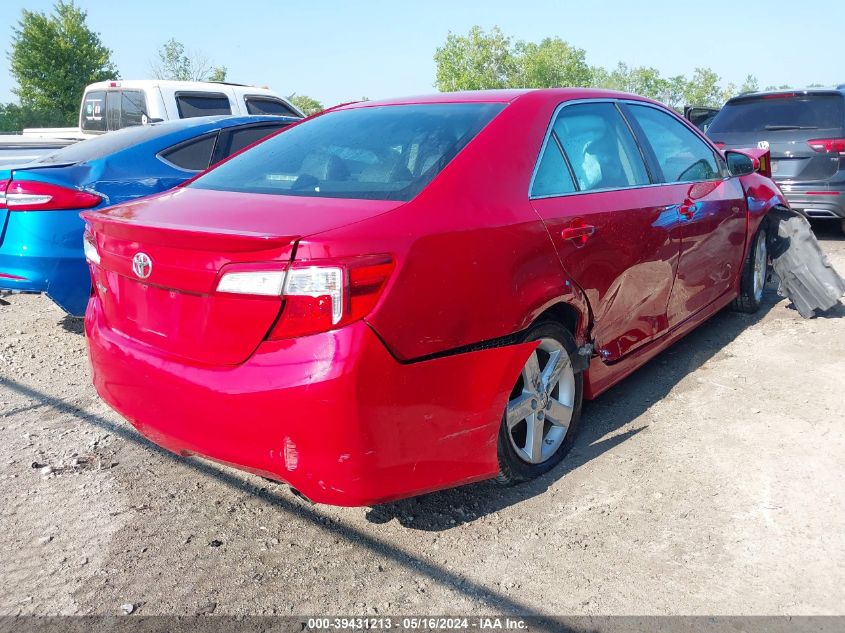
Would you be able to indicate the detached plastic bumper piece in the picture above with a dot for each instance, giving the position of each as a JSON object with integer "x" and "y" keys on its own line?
{"x": 806, "y": 275}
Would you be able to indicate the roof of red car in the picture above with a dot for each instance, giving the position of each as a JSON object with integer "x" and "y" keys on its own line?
{"x": 494, "y": 96}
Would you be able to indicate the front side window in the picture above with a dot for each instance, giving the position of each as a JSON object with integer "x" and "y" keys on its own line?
{"x": 94, "y": 111}
{"x": 681, "y": 155}
{"x": 202, "y": 104}
{"x": 600, "y": 147}
{"x": 376, "y": 153}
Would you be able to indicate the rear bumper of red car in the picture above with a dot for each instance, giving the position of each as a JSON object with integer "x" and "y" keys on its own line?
{"x": 334, "y": 414}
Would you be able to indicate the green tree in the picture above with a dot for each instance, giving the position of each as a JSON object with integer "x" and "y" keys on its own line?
{"x": 176, "y": 64}
{"x": 218, "y": 73}
{"x": 14, "y": 117}
{"x": 640, "y": 80}
{"x": 703, "y": 89}
{"x": 749, "y": 85}
{"x": 53, "y": 57}
{"x": 476, "y": 61}
{"x": 674, "y": 91}
{"x": 307, "y": 104}
{"x": 550, "y": 64}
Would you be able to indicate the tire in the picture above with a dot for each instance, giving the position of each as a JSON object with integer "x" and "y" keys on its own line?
{"x": 842, "y": 225}
{"x": 755, "y": 272}
{"x": 555, "y": 409}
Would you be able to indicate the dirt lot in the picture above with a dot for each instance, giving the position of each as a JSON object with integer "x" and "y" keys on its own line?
{"x": 710, "y": 482}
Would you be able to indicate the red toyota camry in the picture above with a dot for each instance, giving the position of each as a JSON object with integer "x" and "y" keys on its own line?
{"x": 396, "y": 297}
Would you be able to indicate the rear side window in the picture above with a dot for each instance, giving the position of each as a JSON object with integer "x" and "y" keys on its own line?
{"x": 202, "y": 104}
{"x": 193, "y": 155}
{"x": 376, "y": 153}
{"x": 781, "y": 112}
{"x": 600, "y": 147}
{"x": 681, "y": 155}
{"x": 94, "y": 111}
{"x": 133, "y": 107}
{"x": 552, "y": 177}
{"x": 268, "y": 105}
{"x": 232, "y": 141}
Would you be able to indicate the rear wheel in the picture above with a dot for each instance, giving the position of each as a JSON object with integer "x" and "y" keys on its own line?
{"x": 754, "y": 275}
{"x": 541, "y": 418}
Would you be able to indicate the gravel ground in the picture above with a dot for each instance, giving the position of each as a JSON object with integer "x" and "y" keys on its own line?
{"x": 710, "y": 482}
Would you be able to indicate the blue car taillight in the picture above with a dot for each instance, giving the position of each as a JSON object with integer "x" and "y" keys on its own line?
{"x": 30, "y": 195}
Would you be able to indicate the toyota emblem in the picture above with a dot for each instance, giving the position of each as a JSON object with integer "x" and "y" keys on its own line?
{"x": 142, "y": 265}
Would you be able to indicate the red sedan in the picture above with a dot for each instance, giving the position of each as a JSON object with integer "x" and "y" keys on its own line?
{"x": 401, "y": 296}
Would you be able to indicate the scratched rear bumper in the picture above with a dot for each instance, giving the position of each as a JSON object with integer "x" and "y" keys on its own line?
{"x": 334, "y": 414}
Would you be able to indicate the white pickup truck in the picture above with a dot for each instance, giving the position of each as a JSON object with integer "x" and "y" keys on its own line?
{"x": 112, "y": 105}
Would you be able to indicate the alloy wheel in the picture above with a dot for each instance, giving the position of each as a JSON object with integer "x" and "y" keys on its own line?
{"x": 542, "y": 403}
{"x": 761, "y": 264}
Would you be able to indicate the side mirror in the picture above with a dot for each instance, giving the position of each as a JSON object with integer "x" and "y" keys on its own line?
{"x": 740, "y": 163}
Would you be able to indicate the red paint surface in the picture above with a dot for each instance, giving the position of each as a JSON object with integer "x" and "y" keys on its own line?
{"x": 363, "y": 413}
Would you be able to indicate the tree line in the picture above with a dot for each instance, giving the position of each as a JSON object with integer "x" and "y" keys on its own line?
{"x": 491, "y": 59}
{"x": 54, "y": 56}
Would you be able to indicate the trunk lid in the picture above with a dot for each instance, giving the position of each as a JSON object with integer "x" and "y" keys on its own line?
{"x": 189, "y": 237}
{"x": 784, "y": 123}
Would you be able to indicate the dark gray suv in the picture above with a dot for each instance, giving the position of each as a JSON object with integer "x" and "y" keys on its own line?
{"x": 805, "y": 131}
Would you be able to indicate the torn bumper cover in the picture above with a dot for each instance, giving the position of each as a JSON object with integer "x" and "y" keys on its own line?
{"x": 806, "y": 275}
{"x": 332, "y": 414}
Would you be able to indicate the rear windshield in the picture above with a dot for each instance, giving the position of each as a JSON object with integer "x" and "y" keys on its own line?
{"x": 100, "y": 146}
{"x": 779, "y": 112}
{"x": 376, "y": 153}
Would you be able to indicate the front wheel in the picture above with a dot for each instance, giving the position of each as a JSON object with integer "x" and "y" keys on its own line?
{"x": 754, "y": 275}
{"x": 541, "y": 418}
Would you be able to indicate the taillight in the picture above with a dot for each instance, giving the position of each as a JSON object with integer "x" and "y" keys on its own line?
{"x": 3, "y": 185}
{"x": 317, "y": 296}
{"x": 267, "y": 283}
{"x": 89, "y": 247}
{"x": 29, "y": 195}
{"x": 828, "y": 145}
{"x": 719, "y": 144}
{"x": 322, "y": 296}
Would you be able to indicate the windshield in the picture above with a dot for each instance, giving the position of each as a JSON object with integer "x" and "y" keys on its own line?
{"x": 781, "y": 112}
{"x": 377, "y": 153}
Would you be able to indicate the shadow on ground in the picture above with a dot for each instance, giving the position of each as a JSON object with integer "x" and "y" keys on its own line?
{"x": 600, "y": 423}
{"x": 74, "y": 325}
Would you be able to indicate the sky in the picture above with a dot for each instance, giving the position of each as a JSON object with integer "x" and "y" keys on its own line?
{"x": 339, "y": 51}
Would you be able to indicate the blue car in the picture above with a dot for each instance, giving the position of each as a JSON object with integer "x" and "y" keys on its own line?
{"x": 40, "y": 227}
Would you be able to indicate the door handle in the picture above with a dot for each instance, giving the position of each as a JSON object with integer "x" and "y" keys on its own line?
{"x": 687, "y": 209}
{"x": 579, "y": 233}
